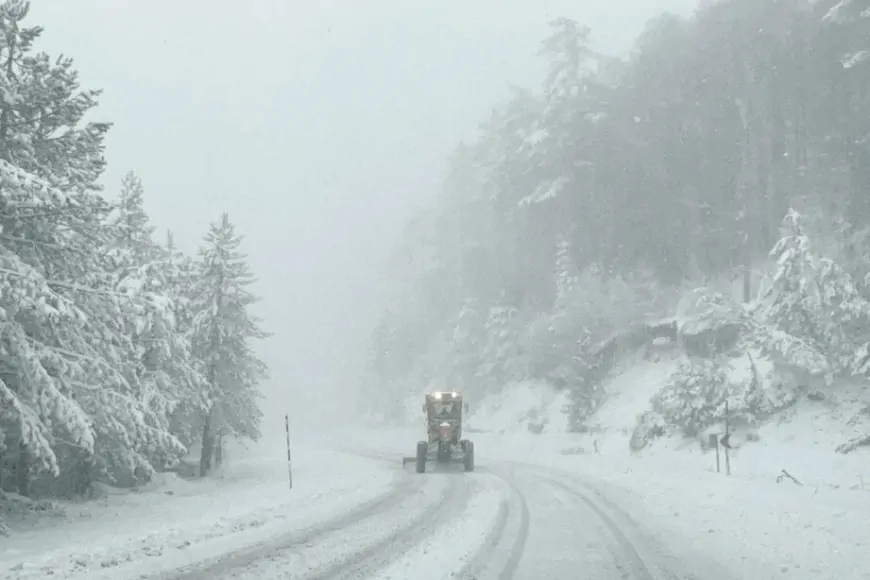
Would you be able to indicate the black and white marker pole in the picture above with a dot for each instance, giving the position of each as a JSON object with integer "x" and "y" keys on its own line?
{"x": 289, "y": 462}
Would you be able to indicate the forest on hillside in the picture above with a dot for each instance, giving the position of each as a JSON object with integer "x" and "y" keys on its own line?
{"x": 730, "y": 150}
{"x": 118, "y": 353}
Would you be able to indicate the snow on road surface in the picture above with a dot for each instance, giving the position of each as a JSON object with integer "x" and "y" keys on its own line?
{"x": 155, "y": 532}
{"x": 461, "y": 545}
{"x": 503, "y": 522}
{"x": 519, "y": 516}
{"x": 412, "y": 534}
{"x": 676, "y": 513}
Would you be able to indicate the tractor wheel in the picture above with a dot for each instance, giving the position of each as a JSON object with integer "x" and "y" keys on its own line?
{"x": 469, "y": 456}
{"x": 422, "y": 452}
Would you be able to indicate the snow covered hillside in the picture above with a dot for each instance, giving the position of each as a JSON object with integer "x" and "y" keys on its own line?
{"x": 801, "y": 439}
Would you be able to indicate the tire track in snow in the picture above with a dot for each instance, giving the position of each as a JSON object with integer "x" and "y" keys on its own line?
{"x": 240, "y": 559}
{"x": 499, "y": 557}
{"x": 625, "y": 551}
{"x": 650, "y": 558}
{"x": 449, "y": 506}
{"x": 488, "y": 536}
{"x": 363, "y": 546}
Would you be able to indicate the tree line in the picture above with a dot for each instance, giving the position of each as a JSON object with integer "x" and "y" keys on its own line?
{"x": 118, "y": 352}
{"x": 595, "y": 201}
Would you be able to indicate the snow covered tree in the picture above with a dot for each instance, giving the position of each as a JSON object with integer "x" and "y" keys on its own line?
{"x": 223, "y": 331}
{"x": 192, "y": 403}
{"x": 42, "y": 110}
{"x": 812, "y": 298}
{"x": 132, "y": 228}
{"x": 50, "y": 164}
{"x": 104, "y": 353}
{"x": 793, "y": 299}
{"x": 466, "y": 339}
{"x": 500, "y": 361}
{"x": 56, "y": 224}
{"x": 160, "y": 368}
{"x": 39, "y": 373}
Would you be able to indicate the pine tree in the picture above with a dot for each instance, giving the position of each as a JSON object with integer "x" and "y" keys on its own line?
{"x": 161, "y": 368}
{"x": 224, "y": 328}
{"x": 813, "y": 298}
{"x": 50, "y": 163}
{"x": 793, "y": 300}
{"x": 467, "y": 345}
{"x": 500, "y": 361}
{"x": 41, "y": 128}
{"x": 193, "y": 404}
{"x": 38, "y": 373}
{"x": 133, "y": 230}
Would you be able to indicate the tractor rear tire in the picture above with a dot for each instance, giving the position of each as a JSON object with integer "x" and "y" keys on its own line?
{"x": 469, "y": 456}
{"x": 422, "y": 452}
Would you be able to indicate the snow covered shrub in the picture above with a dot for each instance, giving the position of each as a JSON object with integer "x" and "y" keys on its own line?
{"x": 650, "y": 425}
{"x": 694, "y": 398}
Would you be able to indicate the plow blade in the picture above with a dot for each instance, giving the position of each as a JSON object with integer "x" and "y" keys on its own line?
{"x": 407, "y": 460}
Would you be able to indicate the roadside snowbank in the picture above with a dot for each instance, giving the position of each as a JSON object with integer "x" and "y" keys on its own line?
{"x": 756, "y": 529}
{"x": 182, "y": 522}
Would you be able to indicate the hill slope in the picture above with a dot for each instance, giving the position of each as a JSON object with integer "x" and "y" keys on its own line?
{"x": 802, "y": 438}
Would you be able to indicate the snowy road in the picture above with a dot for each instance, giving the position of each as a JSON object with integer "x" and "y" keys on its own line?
{"x": 360, "y": 515}
{"x": 505, "y": 521}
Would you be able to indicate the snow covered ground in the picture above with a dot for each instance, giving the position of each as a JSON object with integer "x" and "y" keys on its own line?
{"x": 183, "y": 522}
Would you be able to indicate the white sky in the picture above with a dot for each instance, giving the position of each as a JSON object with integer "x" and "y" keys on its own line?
{"x": 319, "y": 126}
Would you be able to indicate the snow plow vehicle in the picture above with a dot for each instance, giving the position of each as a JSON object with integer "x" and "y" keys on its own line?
{"x": 444, "y": 444}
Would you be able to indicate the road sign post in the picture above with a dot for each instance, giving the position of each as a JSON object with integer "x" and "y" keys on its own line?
{"x": 726, "y": 442}
{"x": 714, "y": 443}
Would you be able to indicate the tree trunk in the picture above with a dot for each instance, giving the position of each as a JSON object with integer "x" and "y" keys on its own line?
{"x": 207, "y": 450}
{"x": 22, "y": 470}
{"x": 219, "y": 451}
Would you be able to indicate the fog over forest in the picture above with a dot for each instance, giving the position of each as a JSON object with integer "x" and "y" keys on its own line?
{"x": 607, "y": 155}
{"x": 333, "y": 178}
{"x": 631, "y": 239}
{"x": 717, "y": 174}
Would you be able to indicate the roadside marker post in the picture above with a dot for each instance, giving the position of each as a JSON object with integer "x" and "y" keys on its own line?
{"x": 289, "y": 461}
{"x": 724, "y": 442}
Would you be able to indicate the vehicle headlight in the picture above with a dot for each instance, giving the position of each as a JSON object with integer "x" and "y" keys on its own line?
{"x": 438, "y": 396}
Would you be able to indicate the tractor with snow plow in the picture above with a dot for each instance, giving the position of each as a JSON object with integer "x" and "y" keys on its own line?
{"x": 444, "y": 444}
